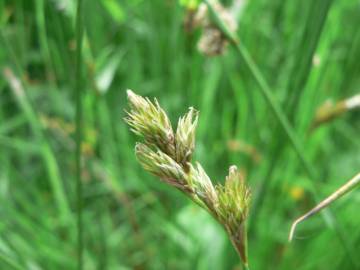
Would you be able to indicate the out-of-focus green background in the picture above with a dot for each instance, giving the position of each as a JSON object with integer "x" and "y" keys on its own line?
{"x": 308, "y": 51}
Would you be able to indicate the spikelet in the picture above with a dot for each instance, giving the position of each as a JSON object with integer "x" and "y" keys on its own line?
{"x": 148, "y": 119}
{"x": 234, "y": 199}
{"x": 168, "y": 156}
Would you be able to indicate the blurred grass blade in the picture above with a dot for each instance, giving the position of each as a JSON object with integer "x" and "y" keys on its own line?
{"x": 300, "y": 71}
{"x": 43, "y": 39}
{"x": 306, "y": 48}
{"x": 9, "y": 262}
{"x": 105, "y": 75}
{"x": 12, "y": 124}
{"x": 115, "y": 9}
{"x": 19, "y": 144}
{"x": 46, "y": 151}
{"x": 349, "y": 186}
{"x": 265, "y": 90}
{"x": 79, "y": 28}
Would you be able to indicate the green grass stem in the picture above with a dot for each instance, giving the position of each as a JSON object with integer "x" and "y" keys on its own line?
{"x": 79, "y": 131}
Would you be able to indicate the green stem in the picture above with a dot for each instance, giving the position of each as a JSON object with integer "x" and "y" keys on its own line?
{"x": 239, "y": 241}
{"x": 344, "y": 189}
{"x": 78, "y": 96}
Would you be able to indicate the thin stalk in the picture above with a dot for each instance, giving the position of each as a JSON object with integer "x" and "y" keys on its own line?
{"x": 344, "y": 189}
{"x": 241, "y": 245}
{"x": 79, "y": 118}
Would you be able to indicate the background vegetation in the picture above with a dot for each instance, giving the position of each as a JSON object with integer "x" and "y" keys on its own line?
{"x": 308, "y": 51}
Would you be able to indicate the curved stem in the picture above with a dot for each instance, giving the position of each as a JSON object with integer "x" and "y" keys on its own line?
{"x": 350, "y": 185}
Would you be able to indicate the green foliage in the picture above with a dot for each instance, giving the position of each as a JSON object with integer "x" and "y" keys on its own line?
{"x": 306, "y": 51}
{"x": 190, "y": 4}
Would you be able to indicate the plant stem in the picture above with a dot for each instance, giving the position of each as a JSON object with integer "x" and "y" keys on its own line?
{"x": 239, "y": 241}
{"x": 78, "y": 96}
{"x": 347, "y": 187}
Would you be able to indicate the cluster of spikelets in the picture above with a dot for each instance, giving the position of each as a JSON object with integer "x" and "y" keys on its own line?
{"x": 212, "y": 41}
{"x": 167, "y": 155}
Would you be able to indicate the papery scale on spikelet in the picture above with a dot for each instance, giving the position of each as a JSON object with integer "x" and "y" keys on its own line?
{"x": 151, "y": 122}
{"x": 185, "y": 137}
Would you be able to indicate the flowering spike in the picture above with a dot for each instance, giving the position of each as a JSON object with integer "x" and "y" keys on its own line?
{"x": 234, "y": 199}
{"x": 168, "y": 157}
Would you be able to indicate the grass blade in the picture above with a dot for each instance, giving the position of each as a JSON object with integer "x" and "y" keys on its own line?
{"x": 9, "y": 262}
{"x": 79, "y": 118}
{"x": 47, "y": 153}
{"x": 303, "y": 61}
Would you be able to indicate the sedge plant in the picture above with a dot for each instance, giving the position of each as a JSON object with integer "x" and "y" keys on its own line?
{"x": 167, "y": 154}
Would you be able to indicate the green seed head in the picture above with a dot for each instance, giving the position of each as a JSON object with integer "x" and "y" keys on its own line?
{"x": 148, "y": 120}
{"x": 168, "y": 156}
{"x": 234, "y": 199}
{"x": 202, "y": 186}
{"x": 161, "y": 165}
